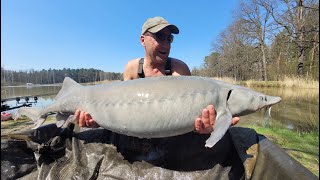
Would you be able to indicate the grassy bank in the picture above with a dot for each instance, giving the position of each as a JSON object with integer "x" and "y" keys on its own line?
{"x": 21, "y": 124}
{"x": 304, "y": 147}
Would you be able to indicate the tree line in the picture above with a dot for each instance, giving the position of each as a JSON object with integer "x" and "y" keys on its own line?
{"x": 51, "y": 76}
{"x": 267, "y": 40}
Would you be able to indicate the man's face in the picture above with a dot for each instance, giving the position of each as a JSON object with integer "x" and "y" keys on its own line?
{"x": 157, "y": 45}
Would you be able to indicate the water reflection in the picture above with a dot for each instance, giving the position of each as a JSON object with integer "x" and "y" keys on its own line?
{"x": 12, "y": 92}
{"x": 299, "y": 108}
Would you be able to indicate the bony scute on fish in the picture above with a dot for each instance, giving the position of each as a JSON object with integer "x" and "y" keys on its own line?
{"x": 155, "y": 107}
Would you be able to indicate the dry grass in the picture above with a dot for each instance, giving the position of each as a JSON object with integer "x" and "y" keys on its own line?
{"x": 226, "y": 79}
{"x": 294, "y": 82}
{"x": 285, "y": 82}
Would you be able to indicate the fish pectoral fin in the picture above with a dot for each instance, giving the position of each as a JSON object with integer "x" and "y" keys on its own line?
{"x": 68, "y": 121}
{"x": 39, "y": 122}
{"x": 60, "y": 123}
{"x": 64, "y": 119}
{"x": 61, "y": 119}
{"x": 221, "y": 125}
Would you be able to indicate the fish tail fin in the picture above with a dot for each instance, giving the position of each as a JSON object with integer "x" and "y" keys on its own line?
{"x": 67, "y": 86}
{"x": 30, "y": 112}
{"x": 39, "y": 122}
{"x": 64, "y": 119}
{"x": 221, "y": 125}
{"x": 33, "y": 113}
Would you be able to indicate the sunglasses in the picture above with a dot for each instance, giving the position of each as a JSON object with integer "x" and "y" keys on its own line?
{"x": 160, "y": 37}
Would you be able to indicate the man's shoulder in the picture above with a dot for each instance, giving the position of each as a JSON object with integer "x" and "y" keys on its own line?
{"x": 178, "y": 62}
{"x": 131, "y": 69}
{"x": 133, "y": 62}
{"x": 179, "y": 67}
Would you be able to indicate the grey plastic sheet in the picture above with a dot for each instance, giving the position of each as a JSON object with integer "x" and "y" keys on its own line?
{"x": 52, "y": 153}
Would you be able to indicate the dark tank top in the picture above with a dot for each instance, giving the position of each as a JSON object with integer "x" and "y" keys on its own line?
{"x": 168, "y": 71}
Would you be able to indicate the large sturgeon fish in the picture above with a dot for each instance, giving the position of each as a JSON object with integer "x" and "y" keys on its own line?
{"x": 154, "y": 107}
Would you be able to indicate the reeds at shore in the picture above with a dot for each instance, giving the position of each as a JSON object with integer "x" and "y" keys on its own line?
{"x": 285, "y": 82}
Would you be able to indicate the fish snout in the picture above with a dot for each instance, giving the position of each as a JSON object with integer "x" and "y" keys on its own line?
{"x": 273, "y": 100}
{"x": 269, "y": 101}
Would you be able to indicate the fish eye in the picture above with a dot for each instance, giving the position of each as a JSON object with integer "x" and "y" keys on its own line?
{"x": 265, "y": 98}
{"x": 261, "y": 98}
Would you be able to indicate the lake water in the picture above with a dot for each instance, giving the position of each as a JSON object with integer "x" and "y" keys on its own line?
{"x": 20, "y": 91}
{"x": 299, "y": 108}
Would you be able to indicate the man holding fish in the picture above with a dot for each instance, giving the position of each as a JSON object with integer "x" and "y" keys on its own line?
{"x": 156, "y": 38}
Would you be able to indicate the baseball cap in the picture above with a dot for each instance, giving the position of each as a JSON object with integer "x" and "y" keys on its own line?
{"x": 156, "y": 24}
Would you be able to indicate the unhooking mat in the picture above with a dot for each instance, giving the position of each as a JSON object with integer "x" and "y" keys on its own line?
{"x": 53, "y": 153}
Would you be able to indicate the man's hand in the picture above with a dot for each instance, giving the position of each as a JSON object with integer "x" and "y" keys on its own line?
{"x": 84, "y": 119}
{"x": 205, "y": 124}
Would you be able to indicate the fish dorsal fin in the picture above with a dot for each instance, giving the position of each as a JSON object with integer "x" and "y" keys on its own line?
{"x": 67, "y": 86}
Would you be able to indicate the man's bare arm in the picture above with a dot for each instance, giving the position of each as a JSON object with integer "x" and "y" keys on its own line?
{"x": 130, "y": 70}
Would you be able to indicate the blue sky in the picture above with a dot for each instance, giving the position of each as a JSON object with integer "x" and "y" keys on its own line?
{"x": 103, "y": 34}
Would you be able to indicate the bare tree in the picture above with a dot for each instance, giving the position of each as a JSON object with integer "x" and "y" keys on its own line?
{"x": 291, "y": 15}
{"x": 233, "y": 54}
{"x": 268, "y": 39}
{"x": 256, "y": 24}
{"x": 314, "y": 51}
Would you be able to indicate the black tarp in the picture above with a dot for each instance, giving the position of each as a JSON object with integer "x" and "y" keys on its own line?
{"x": 53, "y": 153}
